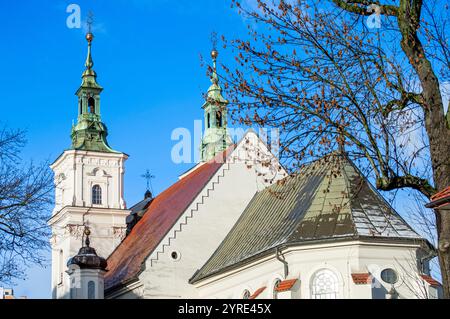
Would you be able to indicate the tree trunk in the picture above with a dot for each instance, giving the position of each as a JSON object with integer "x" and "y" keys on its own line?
{"x": 435, "y": 123}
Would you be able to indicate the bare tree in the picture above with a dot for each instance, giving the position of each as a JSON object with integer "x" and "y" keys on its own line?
{"x": 25, "y": 195}
{"x": 329, "y": 77}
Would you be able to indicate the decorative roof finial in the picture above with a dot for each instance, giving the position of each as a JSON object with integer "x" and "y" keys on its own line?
{"x": 214, "y": 55}
{"x": 148, "y": 176}
{"x": 87, "y": 232}
{"x": 89, "y": 37}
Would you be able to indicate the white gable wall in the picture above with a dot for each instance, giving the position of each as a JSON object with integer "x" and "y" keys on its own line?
{"x": 227, "y": 194}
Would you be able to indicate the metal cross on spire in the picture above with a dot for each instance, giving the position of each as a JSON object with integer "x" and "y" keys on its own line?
{"x": 90, "y": 21}
{"x": 148, "y": 176}
{"x": 214, "y": 40}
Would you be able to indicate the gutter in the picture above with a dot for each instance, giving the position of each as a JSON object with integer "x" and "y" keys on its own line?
{"x": 435, "y": 204}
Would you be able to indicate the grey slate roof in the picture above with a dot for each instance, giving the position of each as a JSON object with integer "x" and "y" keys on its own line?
{"x": 328, "y": 199}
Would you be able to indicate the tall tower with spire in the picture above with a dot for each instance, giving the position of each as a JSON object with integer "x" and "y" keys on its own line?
{"x": 88, "y": 185}
{"x": 216, "y": 138}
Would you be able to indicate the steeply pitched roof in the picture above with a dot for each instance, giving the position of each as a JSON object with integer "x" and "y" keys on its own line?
{"x": 328, "y": 199}
{"x": 162, "y": 213}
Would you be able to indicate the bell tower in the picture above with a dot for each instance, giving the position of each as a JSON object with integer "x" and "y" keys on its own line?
{"x": 88, "y": 185}
{"x": 216, "y": 138}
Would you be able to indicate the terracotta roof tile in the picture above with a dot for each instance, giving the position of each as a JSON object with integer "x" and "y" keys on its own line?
{"x": 286, "y": 285}
{"x": 440, "y": 199}
{"x": 362, "y": 278}
{"x": 163, "y": 212}
{"x": 257, "y": 292}
{"x": 430, "y": 280}
{"x": 441, "y": 194}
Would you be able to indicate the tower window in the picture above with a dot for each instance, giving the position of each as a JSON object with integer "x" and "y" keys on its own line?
{"x": 96, "y": 195}
{"x": 208, "y": 125}
{"x": 61, "y": 267}
{"x": 219, "y": 119}
{"x": 91, "y": 290}
{"x": 91, "y": 105}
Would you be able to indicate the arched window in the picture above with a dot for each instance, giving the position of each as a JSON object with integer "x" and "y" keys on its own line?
{"x": 246, "y": 294}
{"x": 324, "y": 285}
{"x": 91, "y": 105}
{"x": 91, "y": 290}
{"x": 208, "y": 121}
{"x": 275, "y": 288}
{"x": 96, "y": 195}
{"x": 81, "y": 106}
{"x": 219, "y": 119}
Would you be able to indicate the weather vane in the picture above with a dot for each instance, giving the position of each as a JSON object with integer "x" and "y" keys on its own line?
{"x": 148, "y": 176}
{"x": 90, "y": 21}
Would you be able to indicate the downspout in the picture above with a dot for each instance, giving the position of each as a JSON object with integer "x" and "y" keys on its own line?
{"x": 281, "y": 258}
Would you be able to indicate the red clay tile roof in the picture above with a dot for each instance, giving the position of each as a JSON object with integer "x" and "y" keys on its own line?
{"x": 441, "y": 194}
{"x": 257, "y": 293}
{"x": 286, "y": 285}
{"x": 125, "y": 262}
{"x": 430, "y": 280}
{"x": 362, "y": 279}
{"x": 440, "y": 199}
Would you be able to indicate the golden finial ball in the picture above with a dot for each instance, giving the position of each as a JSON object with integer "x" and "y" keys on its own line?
{"x": 214, "y": 54}
{"x": 87, "y": 232}
{"x": 89, "y": 37}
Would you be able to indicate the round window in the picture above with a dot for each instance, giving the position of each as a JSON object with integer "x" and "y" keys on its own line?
{"x": 389, "y": 276}
{"x": 175, "y": 255}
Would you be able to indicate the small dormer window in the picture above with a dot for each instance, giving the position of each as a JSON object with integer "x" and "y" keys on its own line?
{"x": 96, "y": 195}
{"x": 91, "y": 105}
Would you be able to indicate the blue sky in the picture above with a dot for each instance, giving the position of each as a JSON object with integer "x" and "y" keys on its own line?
{"x": 146, "y": 55}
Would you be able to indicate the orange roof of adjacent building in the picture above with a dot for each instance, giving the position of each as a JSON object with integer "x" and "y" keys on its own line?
{"x": 440, "y": 199}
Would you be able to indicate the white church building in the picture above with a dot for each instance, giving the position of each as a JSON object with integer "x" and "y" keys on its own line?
{"x": 236, "y": 225}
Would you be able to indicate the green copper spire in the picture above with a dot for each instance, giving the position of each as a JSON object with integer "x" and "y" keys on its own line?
{"x": 89, "y": 133}
{"x": 216, "y": 138}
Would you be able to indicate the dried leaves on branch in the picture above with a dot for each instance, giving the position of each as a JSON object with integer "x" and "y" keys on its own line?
{"x": 324, "y": 78}
{"x": 26, "y": 191}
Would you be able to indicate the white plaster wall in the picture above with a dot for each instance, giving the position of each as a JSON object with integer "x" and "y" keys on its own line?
{"x": 305, "y": 261}
{"x": 75, "y": 174}
{"x": 76, "y": 171}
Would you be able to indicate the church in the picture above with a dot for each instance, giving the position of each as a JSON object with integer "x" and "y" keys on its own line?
{"x": 236, "y": 225}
